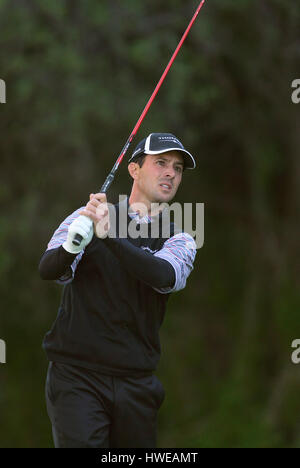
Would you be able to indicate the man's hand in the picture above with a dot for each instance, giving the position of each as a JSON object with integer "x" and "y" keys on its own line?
{"x": 82, "y": 226}
{"x": 97, "y": 210}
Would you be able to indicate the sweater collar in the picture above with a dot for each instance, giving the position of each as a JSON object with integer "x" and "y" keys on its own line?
{"x": 135, "y": 214}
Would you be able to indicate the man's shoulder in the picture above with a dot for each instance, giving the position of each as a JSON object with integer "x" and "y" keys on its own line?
{"x": 180, "y": 233}
{"x": 182, "y": 239}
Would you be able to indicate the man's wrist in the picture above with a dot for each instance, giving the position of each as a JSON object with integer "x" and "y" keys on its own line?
{"x": 71, "y": 249}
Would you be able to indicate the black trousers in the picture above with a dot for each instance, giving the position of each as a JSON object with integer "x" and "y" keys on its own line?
{"x": 91, "y": 410}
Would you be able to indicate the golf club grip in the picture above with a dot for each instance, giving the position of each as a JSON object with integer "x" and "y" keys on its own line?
{"x": 78, "y": 238}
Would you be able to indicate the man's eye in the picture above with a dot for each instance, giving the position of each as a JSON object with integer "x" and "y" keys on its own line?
{"x": 161, "y": 162}
{"x": 179, "y": 169}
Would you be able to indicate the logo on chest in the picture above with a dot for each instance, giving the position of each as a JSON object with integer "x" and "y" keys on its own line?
{"x": 149, "y": 250}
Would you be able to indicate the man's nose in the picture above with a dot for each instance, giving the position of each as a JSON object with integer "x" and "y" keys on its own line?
{"x": 170, "y": 172}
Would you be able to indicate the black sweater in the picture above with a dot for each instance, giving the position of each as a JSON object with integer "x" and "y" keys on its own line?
{"x": 110, "y": 313}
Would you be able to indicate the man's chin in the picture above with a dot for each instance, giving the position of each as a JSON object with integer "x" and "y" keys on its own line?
{"x": 163, "y": 198}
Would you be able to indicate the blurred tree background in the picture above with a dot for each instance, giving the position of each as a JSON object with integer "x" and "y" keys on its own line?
{"x": 78, "y": 74}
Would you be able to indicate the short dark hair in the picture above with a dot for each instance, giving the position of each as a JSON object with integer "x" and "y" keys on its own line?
{"x": 141, "y": 159}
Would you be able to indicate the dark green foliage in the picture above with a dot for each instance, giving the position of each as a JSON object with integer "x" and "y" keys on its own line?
{"x": 78, "y": 74}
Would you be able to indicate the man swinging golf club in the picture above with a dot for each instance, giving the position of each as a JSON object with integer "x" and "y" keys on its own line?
{"x": 104, "y": 347}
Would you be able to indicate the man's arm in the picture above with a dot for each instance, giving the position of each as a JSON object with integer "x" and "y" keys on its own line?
{"x": 180, "y": 251}
{"x": 167, "y": 270}
{"x": 57, "y": 263}
{"x": 160, "y": 273}
{"x": 156, "y": 272}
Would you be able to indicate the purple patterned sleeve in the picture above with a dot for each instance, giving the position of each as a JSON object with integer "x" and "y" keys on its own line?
{"x": 58, "y": 238}
{"x": 180, "y": 251}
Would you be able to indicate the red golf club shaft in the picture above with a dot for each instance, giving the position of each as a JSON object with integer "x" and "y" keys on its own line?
{"x": 147, "y": 107}
{"x": 111, "y": 175}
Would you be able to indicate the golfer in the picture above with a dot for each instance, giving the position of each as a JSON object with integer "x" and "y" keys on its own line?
{"x": 104, "y": 347}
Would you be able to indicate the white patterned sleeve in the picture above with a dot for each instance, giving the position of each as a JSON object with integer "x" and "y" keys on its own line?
{"x": 58, "y": 238}
{"x": 180, "y": 252}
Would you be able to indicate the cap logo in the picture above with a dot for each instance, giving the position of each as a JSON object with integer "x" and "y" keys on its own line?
{"x": 171, "y": 139}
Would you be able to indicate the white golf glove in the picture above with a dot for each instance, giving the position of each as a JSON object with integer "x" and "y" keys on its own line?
{"x": 83, "y": 226}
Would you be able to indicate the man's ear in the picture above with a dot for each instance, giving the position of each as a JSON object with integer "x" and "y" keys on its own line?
{"x": 133, "y": 169}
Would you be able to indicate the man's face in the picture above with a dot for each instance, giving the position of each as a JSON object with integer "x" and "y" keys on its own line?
{"x": 159, "y": 177}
